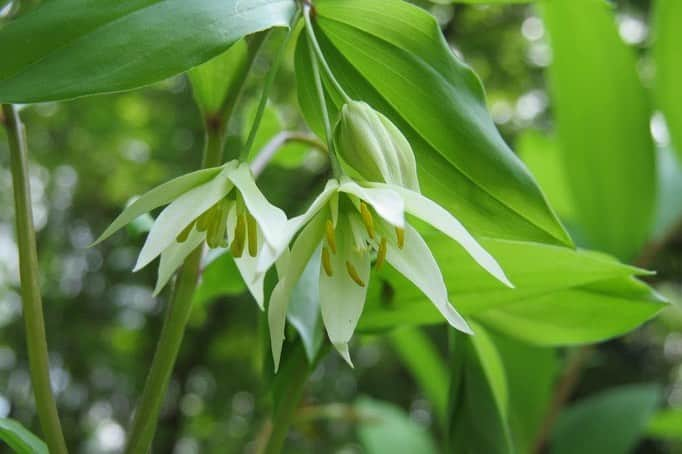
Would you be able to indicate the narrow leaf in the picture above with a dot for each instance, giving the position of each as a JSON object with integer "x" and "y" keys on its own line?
{"x": 19, "y": 439}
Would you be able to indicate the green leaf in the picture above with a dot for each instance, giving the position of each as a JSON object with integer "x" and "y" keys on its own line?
{"x": 669, "y": 210}
{"x": 541, "y": 155}
{"x": 610, "y": 422}
{"x": 562, "y": 296}
{"x": 387, "y": 428}
{"x": 19, "y": 439}
{"x": 393, "y": 56}
{"x": 602, "y": 116}
{"x": 529, "y": 393}
{"x": 666, "y": 424}
{"x": 211, "y": 80}
{"x": 72, "y": 48}
{"x": 479, "y": 394}
{"x": 422, "y": 359}
{"x": 668, "y": 40}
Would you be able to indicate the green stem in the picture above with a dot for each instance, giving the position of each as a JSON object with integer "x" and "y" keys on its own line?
{"x": 267, "y": 86}
{"x": 180, "y": 305}
{"x": 30, "y": 286}
{"x": 319, "y": 55}
{"x": 336, "y": 166}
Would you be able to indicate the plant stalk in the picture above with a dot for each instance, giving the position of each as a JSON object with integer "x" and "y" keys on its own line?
{"x": 34, "y": 321}
{"x": 180, "y": 306}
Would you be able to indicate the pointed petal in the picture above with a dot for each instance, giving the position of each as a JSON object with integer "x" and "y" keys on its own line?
{"x": 173, "y": 257}
{"x": 270, "y": 219}
{"x": 160, "y": 195}
{"x": 387, "y": 202}
{"x": 247, "y": 268}
{"x": 176, "y": 216}
{"x": 342, "y": 348}
{"x": 432, "y": 213}
{"x": 341, "y": 297}
{"x": 301, "y": 252}
{"x": 417, "y": 264}
{"x": 266, "y": 260}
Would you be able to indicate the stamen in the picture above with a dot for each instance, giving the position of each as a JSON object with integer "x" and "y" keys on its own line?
{"x": 400, "y": 233}
{"x": 215, "y": 234}
{"x": 331, "y": 237}
{"x": 367, "y": 219}
{"x": 326, "y": 262}
{"x": 381, "y": 254}
{"x": 353, "y": 273}
{"x": 253, "y": 234}
{"x": 182, "y": 236}
{"x": 237, "y": 247}
{"x": 204, "y": 220}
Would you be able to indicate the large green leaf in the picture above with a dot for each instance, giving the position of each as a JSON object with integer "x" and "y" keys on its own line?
{"x": 479, "y": 401}
{"x": 19, "y": 439}
{"x": 611, "y": 422}
{"x": 669, "y": 66}
{"x": 71, "y": 48}
{"x": 392, "y": 55}
{"x": 602, "y": 117}
{"x": 562, "y": 296}
{"x": 386, "y": 428}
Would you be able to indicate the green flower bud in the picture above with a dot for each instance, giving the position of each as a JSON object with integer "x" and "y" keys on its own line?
{"x": 371, "y": 145}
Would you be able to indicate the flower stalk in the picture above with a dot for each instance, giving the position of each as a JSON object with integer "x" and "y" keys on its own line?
{"x": 30, "y": 286}
{"x": 147, "y": 413}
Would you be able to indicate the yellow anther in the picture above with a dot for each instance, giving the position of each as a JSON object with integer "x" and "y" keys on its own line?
{"x": 182, "y": 236}
{"x": 381, "y": 254}
{"x": 204, "y": 220}
{"x": 400, "y": 233}
{"x": 237, "y": 247}
{"x": 252, "y": 228}
{"x": 331, "y": 236}
{"x": 326, "y": 262}
{"x": 367, "y": 219}
{"x": 353, "y": 273}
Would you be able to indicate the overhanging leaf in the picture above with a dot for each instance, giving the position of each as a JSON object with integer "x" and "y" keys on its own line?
{"x": 602, "y": 115}
{"x": 72, "y": 48}
{"x": 393, "y": 56}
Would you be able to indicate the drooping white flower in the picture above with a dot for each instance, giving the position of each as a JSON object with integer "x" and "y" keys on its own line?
{"x": 221, "y": 206}
{"x": 350, "y": 225}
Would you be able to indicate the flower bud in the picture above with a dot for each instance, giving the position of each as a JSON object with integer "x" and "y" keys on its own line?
{"x": 371, "y": 145}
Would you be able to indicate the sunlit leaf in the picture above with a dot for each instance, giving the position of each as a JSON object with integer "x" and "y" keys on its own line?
{"x": 666, "y": 424}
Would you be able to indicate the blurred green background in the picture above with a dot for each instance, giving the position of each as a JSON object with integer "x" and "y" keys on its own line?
{"x": 89, "y": 156}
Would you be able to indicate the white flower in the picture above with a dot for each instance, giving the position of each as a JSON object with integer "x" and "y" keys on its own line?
{"x": 350, "y": 225}
{"x": 222, "y": 206}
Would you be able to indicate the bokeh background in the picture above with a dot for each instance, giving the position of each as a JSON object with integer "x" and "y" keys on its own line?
{"x": 89, "y": 156}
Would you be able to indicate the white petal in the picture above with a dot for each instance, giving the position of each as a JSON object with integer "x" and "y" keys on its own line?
{"x": 432, "y": 213}
{"x": 417, "y": 264}
{"x": 160, "y": 195}
{"x": 341, "y": 298}
{"x": 295, "y": 224}
{"x": 178, "y": 215}
{"x": 270, "y": 218}
{"x": 174, "y": 255}
{"x": 247, "y": 268}
{"x": 385, "y": 201}
{"x": 304, "y": 247}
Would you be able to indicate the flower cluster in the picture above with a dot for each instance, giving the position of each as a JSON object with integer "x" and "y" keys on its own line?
{"x": 357, "y": 223}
